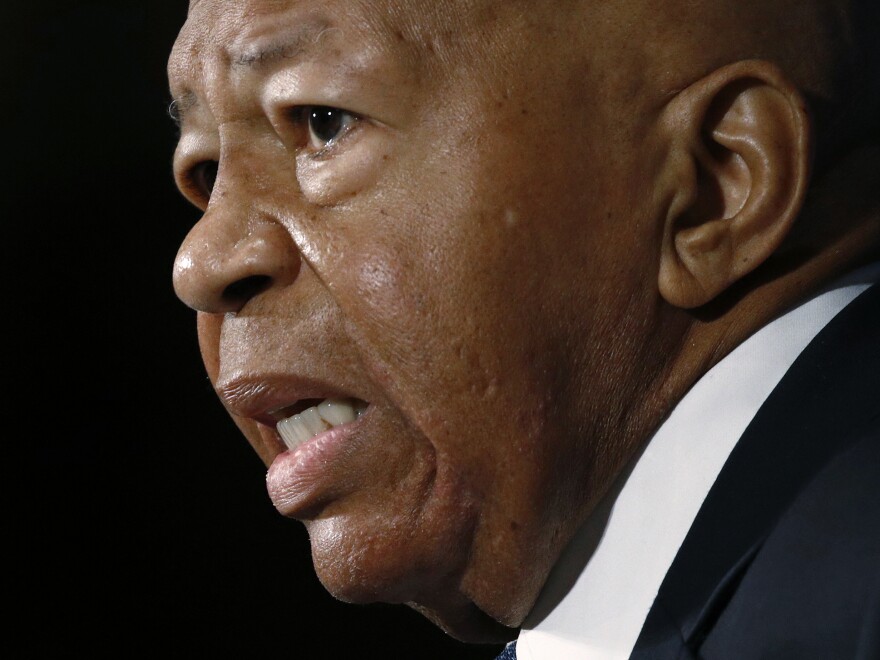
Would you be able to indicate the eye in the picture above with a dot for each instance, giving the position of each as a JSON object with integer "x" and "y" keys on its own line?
{"x": 203, "y": 177}
{"x": 327, "y": 125}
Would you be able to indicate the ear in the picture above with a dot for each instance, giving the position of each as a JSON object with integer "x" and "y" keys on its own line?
{"x": 738, "y": 170}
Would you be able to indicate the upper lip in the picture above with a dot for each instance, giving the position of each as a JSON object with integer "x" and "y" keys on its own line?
{"x": 255, "y": 397}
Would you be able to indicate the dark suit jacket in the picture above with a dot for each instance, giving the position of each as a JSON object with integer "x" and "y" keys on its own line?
{"x": 783, "y": 559}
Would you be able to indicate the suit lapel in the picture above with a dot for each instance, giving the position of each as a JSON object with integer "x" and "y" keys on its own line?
{"x": 812, "y": 415}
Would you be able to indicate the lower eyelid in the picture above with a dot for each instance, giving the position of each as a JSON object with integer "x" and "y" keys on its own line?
{"x": 327, "y": 151}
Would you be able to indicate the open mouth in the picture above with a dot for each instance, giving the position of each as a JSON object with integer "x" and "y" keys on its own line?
{"x": 309, "y": 417}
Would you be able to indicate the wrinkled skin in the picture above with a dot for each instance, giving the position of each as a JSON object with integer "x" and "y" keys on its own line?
{"x": 433, "y": 265}
{"x": 475, "y": 257}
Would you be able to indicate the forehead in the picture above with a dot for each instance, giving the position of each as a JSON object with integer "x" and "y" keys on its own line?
{"x": 254, "y": 34}
{"x": 436, "y": 50}
{"x": 239, "y": 31}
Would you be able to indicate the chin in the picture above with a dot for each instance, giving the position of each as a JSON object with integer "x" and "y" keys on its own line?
{"x": 366, "y": 566}
{"x": 362, "y": 568}
{"x": 467, "y": 623}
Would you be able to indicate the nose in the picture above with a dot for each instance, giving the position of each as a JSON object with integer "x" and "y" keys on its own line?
{"x": 228, "y": 258}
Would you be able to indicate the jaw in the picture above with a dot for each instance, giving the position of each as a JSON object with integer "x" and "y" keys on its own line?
{"x": 467, "y": 623}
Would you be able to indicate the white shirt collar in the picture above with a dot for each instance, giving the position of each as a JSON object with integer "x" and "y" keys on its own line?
{"x": 597, "y": 597}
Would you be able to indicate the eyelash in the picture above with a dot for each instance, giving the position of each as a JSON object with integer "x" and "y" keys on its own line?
{"x": 303, "y": 117}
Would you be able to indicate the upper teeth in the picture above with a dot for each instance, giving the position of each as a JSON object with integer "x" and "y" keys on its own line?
{"x": 312, "y": 421}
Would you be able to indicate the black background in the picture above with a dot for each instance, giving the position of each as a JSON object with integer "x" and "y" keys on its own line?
{"x": 140, "y": 521}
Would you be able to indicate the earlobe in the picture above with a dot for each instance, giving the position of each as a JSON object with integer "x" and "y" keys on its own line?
{"x": 738, "y": 171}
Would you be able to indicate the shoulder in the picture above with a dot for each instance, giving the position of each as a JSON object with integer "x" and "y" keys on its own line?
{"x": 813, "y": 588}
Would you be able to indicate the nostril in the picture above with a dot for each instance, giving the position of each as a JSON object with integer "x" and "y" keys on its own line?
{"x": 246, "y": 288}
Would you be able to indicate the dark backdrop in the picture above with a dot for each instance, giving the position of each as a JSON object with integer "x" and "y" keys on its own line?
{"x": 139, "y": 516}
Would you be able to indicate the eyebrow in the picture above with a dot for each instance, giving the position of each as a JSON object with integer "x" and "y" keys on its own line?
{"x": 291, "y": 45}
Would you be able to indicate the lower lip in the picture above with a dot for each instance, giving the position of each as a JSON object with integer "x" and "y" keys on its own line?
{"x": 301, "y": 481}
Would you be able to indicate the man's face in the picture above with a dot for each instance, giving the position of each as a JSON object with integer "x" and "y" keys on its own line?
{"x": 434, "y": 210}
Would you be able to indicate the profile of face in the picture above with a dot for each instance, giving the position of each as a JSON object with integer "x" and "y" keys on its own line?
{"x": 441, "y": 215}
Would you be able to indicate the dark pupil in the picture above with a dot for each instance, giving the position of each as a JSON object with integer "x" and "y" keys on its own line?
{"x": 325, "y": 123}
{"x": 209, "y": 175}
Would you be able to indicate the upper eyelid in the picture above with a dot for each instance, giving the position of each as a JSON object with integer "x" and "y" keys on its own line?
{"x": 285, "y": 112}
{"x": 297, "y": 90}
{"x": 195, "y": 147}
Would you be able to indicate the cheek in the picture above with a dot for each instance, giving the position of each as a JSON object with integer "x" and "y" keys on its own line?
{"x": 330, "y": 181}
{"x": 450, "y": 344}
{"x": 385, "y": 299}
{"x": 392, "y": 549}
